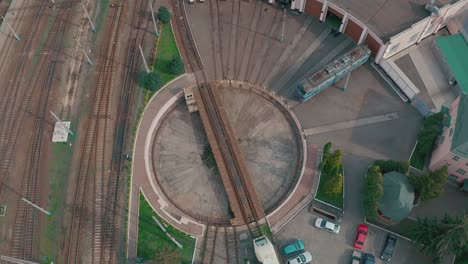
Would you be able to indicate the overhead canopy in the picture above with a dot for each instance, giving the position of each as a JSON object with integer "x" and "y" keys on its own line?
{"x": 398, "y": 198}
{"x": 455, "y": 50}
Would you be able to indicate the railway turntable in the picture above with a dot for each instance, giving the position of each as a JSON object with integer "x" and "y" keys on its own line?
{"x": 267, "y": 146}
{"x": 243, "y": 198}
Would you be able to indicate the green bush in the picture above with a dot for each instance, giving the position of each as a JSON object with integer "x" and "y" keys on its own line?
{"x": 431, "y": 184}
{"x": 372, "y": 192}
{"x": 151, "y": 81}
{"x": 164, "y": 14}
{"x": 431, "y": 129}
{"x": 334, "y": 186}
{"x": 177, "y": 66}
{"x": 387, "y": 166}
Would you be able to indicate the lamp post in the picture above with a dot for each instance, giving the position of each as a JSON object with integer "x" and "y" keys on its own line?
{"x": 154, "y": 21}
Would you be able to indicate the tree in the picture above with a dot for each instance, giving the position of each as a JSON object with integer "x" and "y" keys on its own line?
{"x": 331, "y": 164}
{"x": 430, "y": 185}
{"x": 164, "y": 14}
{"x": 334, "y": 186}
{"x": 151, "y": 81}
{"x": 446, "y": 236}
{"x": 373, "y": 191}
{"x": 327, "y": 147}
{"x": 431, "y": 129}
{"x": 177, "y": 66}
{"x": 387, "y": 166}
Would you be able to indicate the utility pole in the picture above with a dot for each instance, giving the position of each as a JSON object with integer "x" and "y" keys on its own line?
{"x": 84, "y": 53}
{"x": 154, "y": 20}
{"x": 282, "y": 28}
{"x": 347, "y": 78}
{"x": 36, "y": 206}
{"x": 89, "y": 19}
{"x": 144, "y": 60}
{"x": 61, "y": 124}
{"x": 8, "y": 25}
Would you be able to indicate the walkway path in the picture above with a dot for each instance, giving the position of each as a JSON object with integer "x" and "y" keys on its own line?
{"x": 142, "y": 173}
{"x": 351, "y": 124}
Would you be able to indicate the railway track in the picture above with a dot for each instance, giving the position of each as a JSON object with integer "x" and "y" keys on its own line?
{"x": 209, "y": 244}
{"x": 92, "y": 168}
{"x": 232, "y": 247}
{"x": 102, "y": 155}
{"x": 111, "y": 223}
{"x": 23, "y": 238}
{"x": 10, "y": 118}
{"x": 247, "y": 206}
{"x": 229, "y": 157}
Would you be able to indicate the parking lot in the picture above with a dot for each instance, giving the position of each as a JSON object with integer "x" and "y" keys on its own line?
{"x": 331, "y": 248}
{"x": 367, "y": 95}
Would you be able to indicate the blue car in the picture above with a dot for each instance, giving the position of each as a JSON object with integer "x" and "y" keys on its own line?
{"x": 293, "y": 247}
{"x": 368, "y": 259}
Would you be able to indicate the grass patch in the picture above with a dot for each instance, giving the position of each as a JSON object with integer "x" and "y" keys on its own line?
{"x": 49, "y": 239}
{"x": 418, "y": 160}
{"x": 167, "y": 48}
{"x": 100, "y": 16}
{"x": 152, "y": 240}
{"x": 402, "y": 228}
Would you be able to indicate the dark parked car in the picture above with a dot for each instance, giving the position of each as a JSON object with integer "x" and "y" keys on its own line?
{"x": 389, "y": 249}
{"x": 368, "y": 259}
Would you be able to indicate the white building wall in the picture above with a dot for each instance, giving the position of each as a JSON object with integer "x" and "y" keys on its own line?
{"x": 399, "y": 78}
{"x": 422, "y": 29}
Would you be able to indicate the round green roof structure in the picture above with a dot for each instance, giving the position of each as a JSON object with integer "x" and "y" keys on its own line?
{"x": 398, "y": 198}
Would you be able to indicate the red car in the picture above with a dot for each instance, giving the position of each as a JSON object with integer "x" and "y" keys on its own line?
{"x": 361, "y": 236}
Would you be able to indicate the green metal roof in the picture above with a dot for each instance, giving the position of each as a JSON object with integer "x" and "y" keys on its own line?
{"x": 460, "y": 134}
{"x": 398, "y": 197}
{"x": 455, "y": 50}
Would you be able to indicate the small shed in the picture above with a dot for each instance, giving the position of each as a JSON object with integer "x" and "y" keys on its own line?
{"x": 61, "y": 131}
{"x": 398, "y": 198}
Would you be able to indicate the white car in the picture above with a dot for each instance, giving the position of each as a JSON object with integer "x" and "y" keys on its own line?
{"x": 305, "y": 257}
{"x": 327, "y": 225}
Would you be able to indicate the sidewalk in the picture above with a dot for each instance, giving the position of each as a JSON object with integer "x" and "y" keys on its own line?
{"x": 142, "y": 177}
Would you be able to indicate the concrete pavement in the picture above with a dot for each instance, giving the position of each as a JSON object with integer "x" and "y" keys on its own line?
{"x": 351, "y": 124}
{"x": 141, "y": 179}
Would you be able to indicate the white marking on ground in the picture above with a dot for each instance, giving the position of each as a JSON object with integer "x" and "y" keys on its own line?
{"x": 351, "y": 124}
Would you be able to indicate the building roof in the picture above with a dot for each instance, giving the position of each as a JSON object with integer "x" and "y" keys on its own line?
{"x": 388, "y": 18}
{"x": 455, "y": 50}
{"x": 460, "y": 133}
{"x": 398, "y": 197}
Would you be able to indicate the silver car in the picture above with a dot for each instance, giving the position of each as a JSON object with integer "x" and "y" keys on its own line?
{"x": 327, "y": 225}
{"x": 303, "y": 258}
